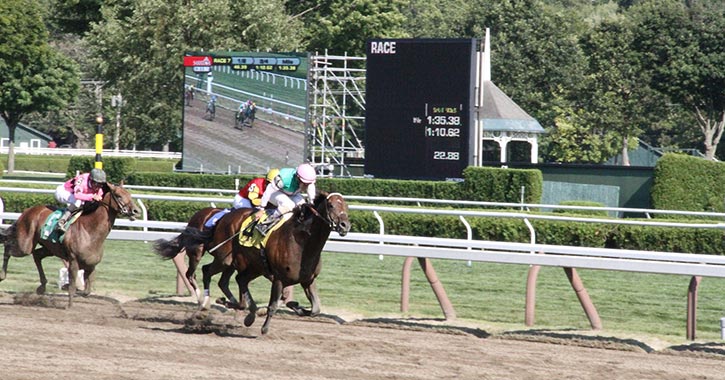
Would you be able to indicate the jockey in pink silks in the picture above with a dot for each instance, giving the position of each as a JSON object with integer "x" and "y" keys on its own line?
{"x": 78, "y": 190}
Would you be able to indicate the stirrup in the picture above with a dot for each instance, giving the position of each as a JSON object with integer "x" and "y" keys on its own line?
{"x": 62, "y": 226}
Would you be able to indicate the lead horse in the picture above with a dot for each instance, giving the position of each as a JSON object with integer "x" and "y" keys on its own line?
{"x": 82, "y": 245}
{"x": 292, "y": 254}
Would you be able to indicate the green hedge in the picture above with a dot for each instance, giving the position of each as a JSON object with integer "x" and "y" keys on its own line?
{"x": 69, "y": 164}
{"x": 688, "y": 183}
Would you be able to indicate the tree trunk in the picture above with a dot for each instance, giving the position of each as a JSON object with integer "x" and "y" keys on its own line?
{"x": 11, "y": 149}
{"x": 625, "y": 151}
{"x": 712, "y": 131}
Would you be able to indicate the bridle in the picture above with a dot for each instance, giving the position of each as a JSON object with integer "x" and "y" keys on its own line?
{"x": 333, "y": 225}
{"x": 123, "y": 208}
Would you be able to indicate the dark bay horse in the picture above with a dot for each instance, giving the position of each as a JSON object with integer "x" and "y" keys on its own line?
{"x": 193, "y": 249}
{"x": 292, "y": 254}
{"x": 82, "y": 246}
{"x": 227, "y": 229}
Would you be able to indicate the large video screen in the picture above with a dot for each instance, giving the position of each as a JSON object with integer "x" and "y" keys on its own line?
{"x": 244, "y": 112}
{"x": 419, "y": 106}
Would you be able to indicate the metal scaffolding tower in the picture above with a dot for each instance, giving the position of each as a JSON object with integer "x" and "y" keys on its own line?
{"x": 337, "y": 114}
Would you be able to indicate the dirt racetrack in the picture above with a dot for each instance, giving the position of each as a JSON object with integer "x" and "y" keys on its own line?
{"x": 102, "y": 338}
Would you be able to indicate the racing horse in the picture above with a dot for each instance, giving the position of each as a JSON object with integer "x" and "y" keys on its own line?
{"x": 291, "y": 255}
{"x": 194, "y": 250}
{"x": 82, "y": 244}
{"x": 211, "y": 108}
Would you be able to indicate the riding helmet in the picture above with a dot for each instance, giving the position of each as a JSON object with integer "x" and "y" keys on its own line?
{"x": 271, "y": 174}
{"x": 306, "y": 173}
{"x": 98, "y": 175}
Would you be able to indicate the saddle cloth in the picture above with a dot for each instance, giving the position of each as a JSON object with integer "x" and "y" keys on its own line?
{"x": 257, "y": 240}
{"x": 215, "y": 218}
{"x": 49, "y": 231}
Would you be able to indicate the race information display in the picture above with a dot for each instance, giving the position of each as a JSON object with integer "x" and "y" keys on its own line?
{"x": 419, "y": 104}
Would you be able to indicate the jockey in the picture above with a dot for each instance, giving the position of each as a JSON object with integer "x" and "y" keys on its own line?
{"x": 285, "y": 192}
{"x": 76, "y": 191}
{"x": 242, "y": 110}
{"x": 250, "y": 195}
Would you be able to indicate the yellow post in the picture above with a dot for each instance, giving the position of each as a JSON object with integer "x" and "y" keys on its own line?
{"x": 99, "y": 142}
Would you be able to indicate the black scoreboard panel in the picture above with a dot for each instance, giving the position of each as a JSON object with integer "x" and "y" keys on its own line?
{"x": 419, "y": 104}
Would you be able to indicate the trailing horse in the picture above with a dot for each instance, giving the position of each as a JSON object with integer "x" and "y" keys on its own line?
{"x": 193, "y": 249}
{"x": 81, "y": 246}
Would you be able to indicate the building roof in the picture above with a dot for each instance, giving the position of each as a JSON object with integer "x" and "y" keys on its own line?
{"x": 500, "y": 113}
{"x": 23, "y": 132}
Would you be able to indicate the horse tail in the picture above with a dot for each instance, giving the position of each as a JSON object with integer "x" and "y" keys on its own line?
{"x": 167, "y": 249}
{"x": 190, "y": 238}
{"x": 7, "y": 234}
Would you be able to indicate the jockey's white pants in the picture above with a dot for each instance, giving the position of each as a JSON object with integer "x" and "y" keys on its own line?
{"x": 62, "y": 195}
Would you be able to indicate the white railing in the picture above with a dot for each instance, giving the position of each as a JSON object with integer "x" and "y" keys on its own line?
{"x": 568, "y": 257}
{"x": 92, "y": 152}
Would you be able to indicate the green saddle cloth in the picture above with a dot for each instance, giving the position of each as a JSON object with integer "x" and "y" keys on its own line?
{"x": 49, "y": 231}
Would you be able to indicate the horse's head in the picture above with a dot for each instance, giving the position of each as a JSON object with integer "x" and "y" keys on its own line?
{"x": 121, "y": 201}
{"x": 336, "y": 212}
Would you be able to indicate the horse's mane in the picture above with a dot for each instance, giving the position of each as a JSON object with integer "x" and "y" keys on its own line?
{"x": 302, "y": 211}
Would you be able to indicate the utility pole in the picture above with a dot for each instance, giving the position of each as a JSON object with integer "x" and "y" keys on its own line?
{"x": 117, "y": 101}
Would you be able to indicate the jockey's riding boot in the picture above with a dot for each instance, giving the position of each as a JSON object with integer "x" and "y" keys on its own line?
{"x": 271, "y": 220}
{"x": 63, "y": 220}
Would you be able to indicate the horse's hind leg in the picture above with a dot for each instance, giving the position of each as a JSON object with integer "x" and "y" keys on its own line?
{"x": 208, "y": 271}
{"x": 274, "y": 297}
{"x": 38, "y": 255}
{"x": 6, "y": 259}
{"x": 231, "y": 301}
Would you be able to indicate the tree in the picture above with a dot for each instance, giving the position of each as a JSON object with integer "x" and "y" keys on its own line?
{"x": 683, "y": 45}
{"x": 618, "y": 97}
{"x": 573, "y": 139}
{"x": 437, "y": 18}
{"x": 535, "y": 52}
{"x": 138, "y": 48}
{"x": 345, "y": 25}
{"x": 33, "y": 77}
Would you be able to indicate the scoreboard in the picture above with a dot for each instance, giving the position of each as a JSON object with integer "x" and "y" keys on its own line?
{"x": 203, "y": 63}
{"x": 419, "y": 107}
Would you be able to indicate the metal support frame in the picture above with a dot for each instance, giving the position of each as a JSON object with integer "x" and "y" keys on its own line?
{"x": 336, "y": 107}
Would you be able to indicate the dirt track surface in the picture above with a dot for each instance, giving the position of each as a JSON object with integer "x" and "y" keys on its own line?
{"x": 101, "y": 338}
{"x": 218, "y": 145}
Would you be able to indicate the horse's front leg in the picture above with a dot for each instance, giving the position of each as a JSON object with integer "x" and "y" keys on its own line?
{"x": 38, "y": 255}
{"x": 274, "y": 297}
{"x": 243, "y": 280}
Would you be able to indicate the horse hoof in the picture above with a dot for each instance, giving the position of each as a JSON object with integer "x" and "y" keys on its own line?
{"x": 40, "y": 290}
{"x": 265, "y": 330}
{"x": 249, "y": 319}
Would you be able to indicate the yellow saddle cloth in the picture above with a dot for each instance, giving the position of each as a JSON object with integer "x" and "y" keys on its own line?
{"x": 257, "y": 240}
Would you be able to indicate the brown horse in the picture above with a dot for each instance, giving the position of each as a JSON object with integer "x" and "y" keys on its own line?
{"x": 194, "y": 250}
{"x": 291, "y": 255}
{"x": 82, "y": 246}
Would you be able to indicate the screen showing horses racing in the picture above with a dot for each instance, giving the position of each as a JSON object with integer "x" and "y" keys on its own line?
{"x": 244, "y": 112}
